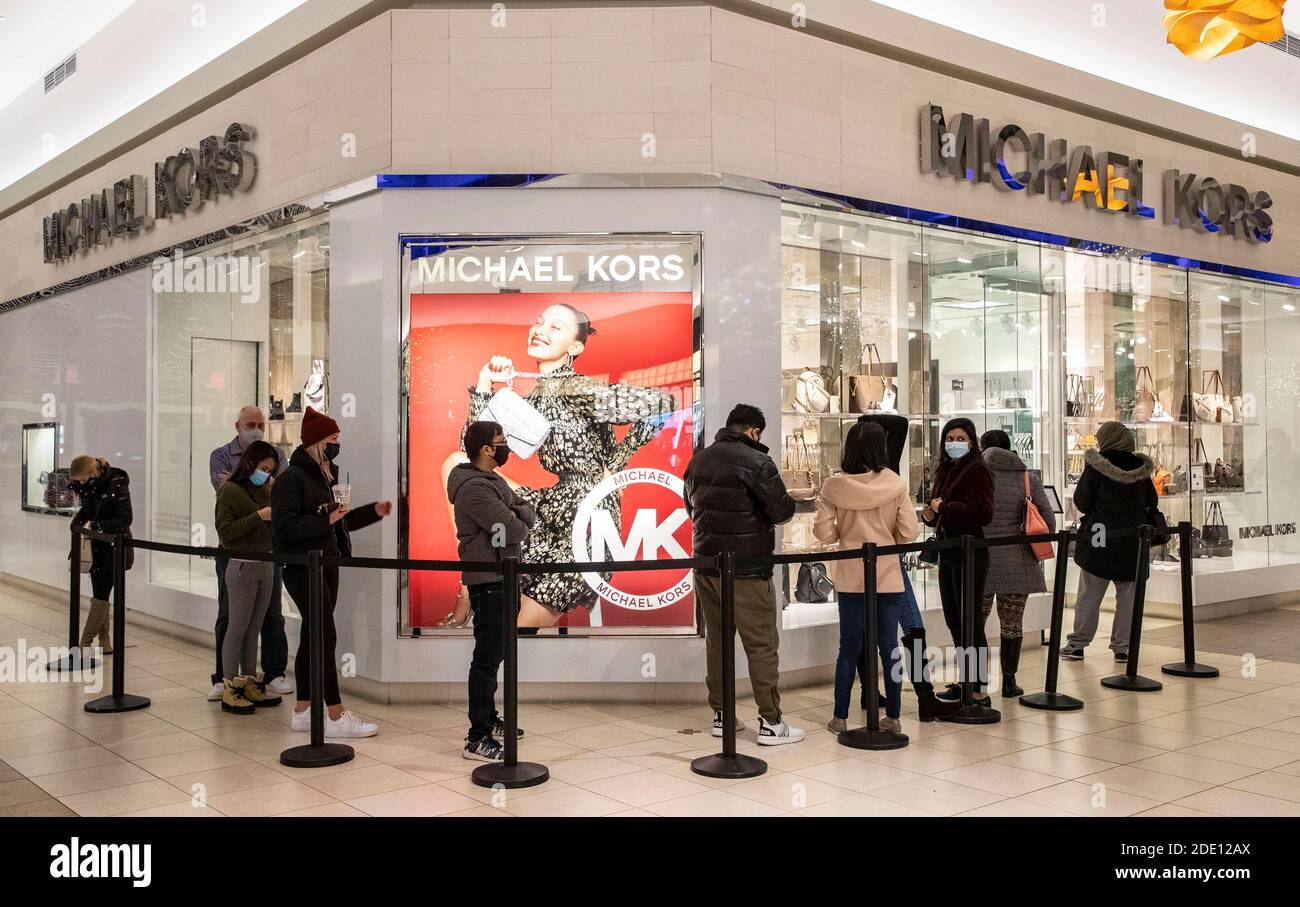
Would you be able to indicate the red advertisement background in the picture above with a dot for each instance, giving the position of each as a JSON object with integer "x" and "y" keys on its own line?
{"x": 644, "y": 338}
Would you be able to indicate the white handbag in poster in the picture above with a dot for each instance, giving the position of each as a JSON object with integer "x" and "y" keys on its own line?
{"x": 313, "y": 392}
{"x": 524, "y": 427}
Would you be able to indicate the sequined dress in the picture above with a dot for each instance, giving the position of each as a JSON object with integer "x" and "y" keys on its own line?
{"x": 579, "y": 451}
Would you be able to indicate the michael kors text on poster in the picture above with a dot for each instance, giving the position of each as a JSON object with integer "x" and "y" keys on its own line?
{"x": 549, "y": 268}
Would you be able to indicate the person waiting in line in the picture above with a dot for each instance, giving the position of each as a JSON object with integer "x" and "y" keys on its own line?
{"x": 1014, "y": 570}
{"x": 305, "y": 517}
{"x": 962, "y": 505}
{"x": 929, "y": 707}
{"x": 250, "y": 425}
{"x": 105, "y": 495}
{"x": 735, "y": 496}
{"x": 1115, "y": 492}
{"x": 243, "y": 521}
{"x": 868, "y": 502}
{"x": 492, "y": 522}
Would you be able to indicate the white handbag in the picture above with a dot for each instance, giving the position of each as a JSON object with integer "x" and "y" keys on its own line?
{"x": 810, "y": 394}
{"x": 524, "y": 427}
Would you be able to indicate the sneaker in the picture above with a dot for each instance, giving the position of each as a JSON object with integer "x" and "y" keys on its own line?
{"x": 891, "y": 724}
{"x": 952, "y": 693}
{"x": 717, "y": 723}
{"x": 215, "y": 694}
{"x": 837, "y": 725}
{"x": 485, "y": 749}
{"x": 349, "y": 725}
{"x": 1072, "y": 653}
{"x": 280, "y": 686}
{"x": 777, "y": 734}
{"x": 1121, "y": 657}
{"x": 499, "y": 729}
{"x": 302, "y": 721}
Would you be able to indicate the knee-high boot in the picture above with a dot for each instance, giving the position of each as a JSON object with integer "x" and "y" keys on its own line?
{"x": 97, "y": 624}
{"x": 928, "y": 707}
{"x": 1010, "y": 663}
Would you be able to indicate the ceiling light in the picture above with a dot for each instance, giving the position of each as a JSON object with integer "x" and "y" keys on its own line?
{"x": 1223, "y": 298}
{"x": 806, "y": 226}
{"x": 300, "y": 253}
{"x": 1288, "y": 306}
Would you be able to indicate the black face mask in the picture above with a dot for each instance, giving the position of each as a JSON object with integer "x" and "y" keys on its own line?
{"x": 331, "y": 450}
{"x": 501, "y": 454}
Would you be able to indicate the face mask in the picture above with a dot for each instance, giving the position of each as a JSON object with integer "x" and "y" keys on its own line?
{"x": 248, "y": 437}
{"x": 501, "y": 454}
{"x": 258, "y": 478}
{"x": 331, "y": 450}
{"x": 957, "y": 449}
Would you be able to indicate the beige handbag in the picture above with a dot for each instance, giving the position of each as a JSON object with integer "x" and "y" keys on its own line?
{"x": 1145, "y": 395}
{"x": 1211, "y": 404}
{"x": 796, "y": 473}
{"x": 868, "y": 389}
{"x": 86, "y": 555}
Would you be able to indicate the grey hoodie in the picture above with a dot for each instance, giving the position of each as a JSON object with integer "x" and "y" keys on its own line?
{"x": 485, "y": 507}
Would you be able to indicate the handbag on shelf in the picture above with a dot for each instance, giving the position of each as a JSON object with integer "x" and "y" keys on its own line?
{"x": 1016, "y": 398}
{"x": 1211, "y": 405}
{"x": 1224, "y": 476}
{"x": 868, "y": 389}
{"x": 1145, "y": 397}
{"x": 810, "y": 394}
{"x": 1036, "y": 525}
{"x": 796, "y": 474}
{"x": 814, "y": 584}
{"x": 1215, "y": 531}
{"x": 1200, "y": 457}
{"x": 1178, "y": 481}
{"x": 524, "y": 427}
{"x": 1076, "y": 403}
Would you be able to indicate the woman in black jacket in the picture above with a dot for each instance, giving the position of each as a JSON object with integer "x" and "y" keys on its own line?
{"x": 962, "y": 505}
{"x": 304, "y": 517}
{"x": 105, "y": 494}
{"x": 1114, "y": 492}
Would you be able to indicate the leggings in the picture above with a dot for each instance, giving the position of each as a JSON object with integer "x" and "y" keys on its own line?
{"x": 1011, "y": 612}
{"x": 248, "y": 591}
{"x": 295, "y": 581}
{"x": 950, "y": 570}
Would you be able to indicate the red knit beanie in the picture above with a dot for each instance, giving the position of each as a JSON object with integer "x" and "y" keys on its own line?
{"x": 316, "y": 426}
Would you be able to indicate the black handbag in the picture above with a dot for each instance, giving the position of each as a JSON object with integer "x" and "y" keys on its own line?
{"x": 814, "y": 584}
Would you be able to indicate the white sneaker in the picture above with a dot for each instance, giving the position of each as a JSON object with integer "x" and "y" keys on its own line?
{"x": 717, "y": 724}
{"x": 349, "y": 725}
{"x": 302, "y": 720}
{"x": 214, "y": 694}
{"x": 280, "y": 686}
{"x": 777, "y": 734}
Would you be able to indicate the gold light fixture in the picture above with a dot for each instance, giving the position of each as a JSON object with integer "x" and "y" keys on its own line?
{"x": 1205, "y": 29}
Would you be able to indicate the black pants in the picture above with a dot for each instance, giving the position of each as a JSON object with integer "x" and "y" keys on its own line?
{"x": 295, "y": 581}
{"x": 275, "y": 645}
{"x": 487, "y": 601}
{"x": 101, "y": 580}
{"x": 950, "y": 570}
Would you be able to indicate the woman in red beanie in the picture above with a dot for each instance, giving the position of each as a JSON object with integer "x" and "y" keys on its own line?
{"x": 305, "y": 516}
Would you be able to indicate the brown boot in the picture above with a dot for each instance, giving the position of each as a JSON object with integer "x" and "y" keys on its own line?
{"x": 96, "y": 621}
{"x": 255, "y": 691}
{"x": 233, "y": 699}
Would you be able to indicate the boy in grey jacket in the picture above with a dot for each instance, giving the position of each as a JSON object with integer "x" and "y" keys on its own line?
{"x": 492, "y": 522}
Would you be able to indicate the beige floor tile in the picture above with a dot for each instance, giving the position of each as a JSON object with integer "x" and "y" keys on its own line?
{"x": 1187, "y": 723}
{"x": 600, "y": 737}
{"x": 226, "y": 779}
{"x": 184, "y": 810}
{"x": 1291, "y": 768}
{"x": 1269, "y": 737}
{"x": 859, "y": 775}
{"x": 1089, "y": 800}
{"x": 1145, "y": 782}
{"x": 301, "y": 774}
{"x": 329, "y": 810}
{"x": 1055, "y": 762}
{"x": 424, "y": 800}
{"x": 633, "y": 814}
{"x": 160, "y": 745}
{"x": 483, "y": 812}
{"x": 1160, "y": 738}
{"x": 1107, "y": 749}
{"x": 1029, "y": 733}
{"x": 391, "y": 753}
{"x": 364, "y": 782}
{"x": 714, "y": 803}
{"x": 16, "y": 730}
{"x": 998, "y": 778}
{"x": 581, "y": 769}
{"x": 127, "y": 798}
{"x": 190, "y": 761}
{"x": 1172, "y": 811}
{"x": 63, "y": 761}
{"x": 20, "y": 791}
{"x": 1226, "y": 801}
{"x": 934, "y": 795}
{"x": 978, "y": 746}
{"x": 99, "y": 777}
{"x": 36, "y": 808}
{"x": 497, "y": 797}
{"x": 1240, "y": 753}
{"x": 43, "y": 743}
{"x": 569, "y": 802}
{"x": 1017, "y": 808}
{"x": 862, "y": 805}
{"x": 1073, "y": 721}
{"x": 1277, "y": 785}
{"x": 270, "y": 800}
{"x": 1197, "y": 768}
{"x": 789, "y": 791}
{"x": 644, "y": 787}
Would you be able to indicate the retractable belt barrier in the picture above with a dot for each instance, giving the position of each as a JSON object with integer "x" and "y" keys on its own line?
{"x": 727, "y": 764}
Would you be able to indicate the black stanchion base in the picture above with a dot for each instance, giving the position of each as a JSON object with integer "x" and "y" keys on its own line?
{"x": 1052, "y": 702}
{"x": 974, "y": 714}
{"x": 72, "y": 664}
{"x": 1190, "y": 669}
{"x": 308, "y": 756}
{"x": 124, "y": 703}
{"x": 864, "y": 738}
{"x": 720, "y": 766}
{"x": 1138, "y": 684}
{"x": 521, "y": 774}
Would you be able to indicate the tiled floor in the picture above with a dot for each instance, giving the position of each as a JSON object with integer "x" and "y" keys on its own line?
{"x": 1228, "y": 746}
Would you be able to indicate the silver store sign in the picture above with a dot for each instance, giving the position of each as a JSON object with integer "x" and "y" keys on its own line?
{"x": 1015, "y": 160}
{"x": 181, "y": 183}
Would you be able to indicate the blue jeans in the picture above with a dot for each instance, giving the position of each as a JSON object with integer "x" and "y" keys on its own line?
{"x": 853, "y": 620}
{"x": 909, "y": 618}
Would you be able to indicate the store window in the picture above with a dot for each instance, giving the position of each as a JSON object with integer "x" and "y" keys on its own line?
{"x": 45, "y": 486}
{"x": 242, "y": 322}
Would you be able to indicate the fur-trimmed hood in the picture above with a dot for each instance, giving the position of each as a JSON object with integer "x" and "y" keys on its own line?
{"x": 1122, "y": 466}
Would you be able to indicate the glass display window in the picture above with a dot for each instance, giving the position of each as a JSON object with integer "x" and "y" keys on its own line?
{"x": 45, "y": 485}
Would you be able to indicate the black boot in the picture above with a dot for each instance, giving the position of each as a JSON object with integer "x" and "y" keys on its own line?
{"x": 1010, "y": 662}
{"x": 862, "y": 677}
{"x": 928, "y": 707}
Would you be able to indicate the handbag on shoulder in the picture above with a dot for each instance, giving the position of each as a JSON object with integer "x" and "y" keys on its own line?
{"x": 1036, "y": 525}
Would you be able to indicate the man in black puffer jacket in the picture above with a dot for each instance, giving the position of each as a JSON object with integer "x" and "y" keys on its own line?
{"x": 735, "y": 496}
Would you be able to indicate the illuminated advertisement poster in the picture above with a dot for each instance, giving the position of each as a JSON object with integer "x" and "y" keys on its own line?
{"x": 585, "y": 351}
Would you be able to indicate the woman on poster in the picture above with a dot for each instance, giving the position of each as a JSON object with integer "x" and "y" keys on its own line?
{"x": 580, "y": 450}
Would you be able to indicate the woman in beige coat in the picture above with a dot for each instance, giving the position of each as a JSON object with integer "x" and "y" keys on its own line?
{"x": 868, "y": 502}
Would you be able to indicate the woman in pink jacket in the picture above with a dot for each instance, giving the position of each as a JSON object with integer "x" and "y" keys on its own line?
{"x": 868, "y": 502}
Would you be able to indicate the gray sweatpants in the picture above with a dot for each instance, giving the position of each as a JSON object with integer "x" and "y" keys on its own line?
{"x": 248, "y": 587}
{"x": 1087, "y": 604}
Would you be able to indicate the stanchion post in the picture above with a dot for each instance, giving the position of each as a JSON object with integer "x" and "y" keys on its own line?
{"x": 316, "y": 753}
{"x": 76, "y": 659}
{"x": 871, "y": 737}
{"x": 728, "y": 763}
{"x": 1188, "y": 667}
{"x": 1130, "y": 679}
{"x": 119, "y": 700}
{"x": 971, "y": 712}
{"x": 1049, "y": 699}
{"x": 510, "y": 773}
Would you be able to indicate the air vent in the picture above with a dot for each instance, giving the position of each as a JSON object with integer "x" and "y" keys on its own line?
{"x": 1289, "y": 44}
{"x": 60, "y": 72}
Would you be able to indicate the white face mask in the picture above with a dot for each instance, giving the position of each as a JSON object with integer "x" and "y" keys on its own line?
{"x": 248, "y": 437}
